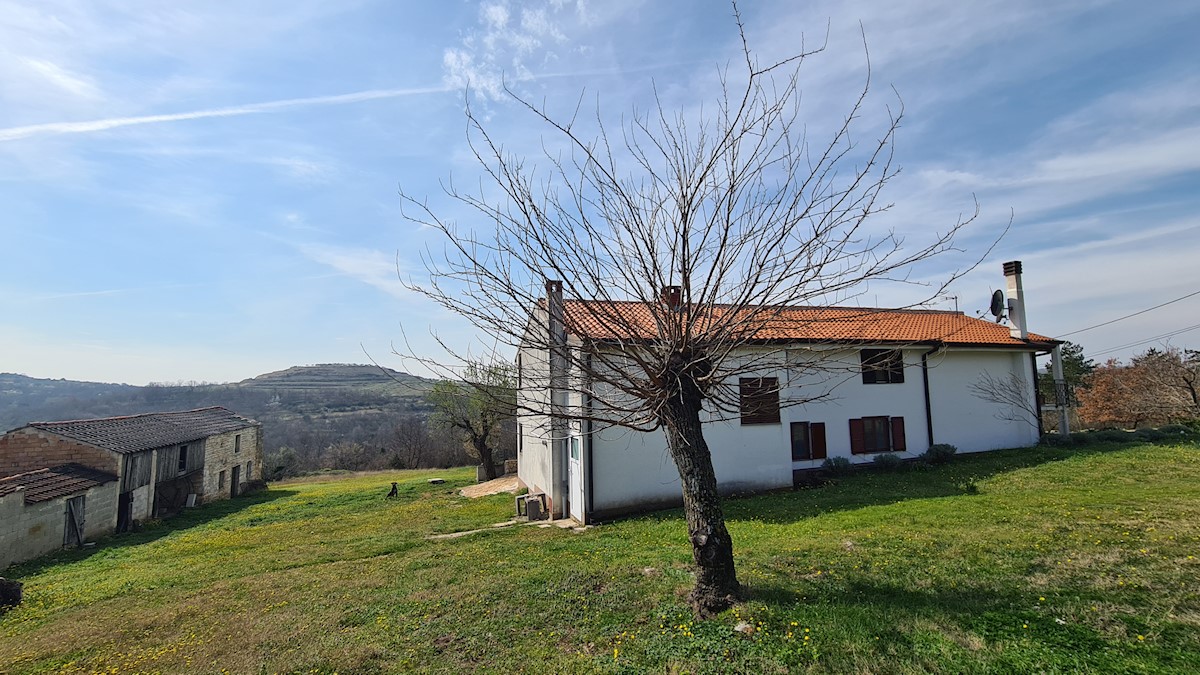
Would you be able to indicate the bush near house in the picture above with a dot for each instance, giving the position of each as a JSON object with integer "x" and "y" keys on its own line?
{"x": 1079, "y": 559}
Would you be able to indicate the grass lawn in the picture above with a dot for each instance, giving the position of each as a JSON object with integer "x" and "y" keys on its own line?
{"x": 1053, "y": 560}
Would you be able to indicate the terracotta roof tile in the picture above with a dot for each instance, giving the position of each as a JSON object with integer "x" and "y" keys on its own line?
{"x": 135, "y": 433}
{"x": 610, "y": 320}
{"x": 46, "y": 484}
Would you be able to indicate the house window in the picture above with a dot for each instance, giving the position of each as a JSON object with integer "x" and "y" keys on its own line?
{"x": 575, "y": 450}
{"x": 183, "y": 450}
{"x": 520, "y": 438}
{"x": 877, "y": 434}
{"x": 221, "y": 481}
{"x": 237, "y": 443}
{"x": 759, "y": 398}
{"x": 249, "y": 470}
{"x": 882, "y": 366}
{"x": 808, "y": 441}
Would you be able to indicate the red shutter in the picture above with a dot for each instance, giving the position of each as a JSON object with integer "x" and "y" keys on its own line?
{"x": 816, "y": 443}
{"x": 898, "y": 434}
{"x": 858, "y": 437}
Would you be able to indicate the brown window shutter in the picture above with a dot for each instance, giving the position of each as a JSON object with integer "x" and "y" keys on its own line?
{"x": 898, "y": 434}
{"x": 858, "y": 437}
{"x": 816, "y": 432}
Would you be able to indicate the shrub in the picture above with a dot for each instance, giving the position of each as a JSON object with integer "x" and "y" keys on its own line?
{"x": 837, "y": 466}
{"x": 1176, "y": 429}
{"x": 888, "y": 462}
{"x": 1060, "y": 440}
{"x": 939, "y": 453}
{"x": 1111, "y": 436}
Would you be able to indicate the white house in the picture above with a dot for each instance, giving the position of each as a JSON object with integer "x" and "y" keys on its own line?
{"x": 883, "y": 380}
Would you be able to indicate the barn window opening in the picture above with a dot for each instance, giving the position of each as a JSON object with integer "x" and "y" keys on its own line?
{"x": 183, "y": 458}
{"x": 237, "y": 443}
{"x": 221, "y": 481}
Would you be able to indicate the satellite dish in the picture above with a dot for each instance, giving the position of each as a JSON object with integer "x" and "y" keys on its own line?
{"x": 997, "y": 308}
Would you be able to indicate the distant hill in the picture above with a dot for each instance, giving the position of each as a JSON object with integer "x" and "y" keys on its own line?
{"x": 305, "y": 404}
{"x": 341, "y": 375}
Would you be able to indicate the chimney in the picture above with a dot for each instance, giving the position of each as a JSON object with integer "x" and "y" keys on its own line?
{"x": 1018, "y": 328}
{"x": 672, "y": 296}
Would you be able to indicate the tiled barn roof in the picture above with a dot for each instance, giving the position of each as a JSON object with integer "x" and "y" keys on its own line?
{"x": 60, "y": 481}
{"x": 135, "y": 433}
{"x": 633, "y": 320}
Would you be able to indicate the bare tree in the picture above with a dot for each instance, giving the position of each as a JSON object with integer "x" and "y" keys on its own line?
{"x": 686, "y": 237}
{"x": 1011, "y": 393}
{"x": 477, "y": 408}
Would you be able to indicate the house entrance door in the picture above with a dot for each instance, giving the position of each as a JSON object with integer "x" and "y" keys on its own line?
{"x": 575, "y": 478}
{"x": 235, "y": 478}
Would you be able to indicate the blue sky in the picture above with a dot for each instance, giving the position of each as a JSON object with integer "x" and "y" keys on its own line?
{"x": 207, "y": 191}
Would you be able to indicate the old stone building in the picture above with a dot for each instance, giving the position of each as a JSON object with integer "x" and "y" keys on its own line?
{"x": 163, "y": 461}
{"x": 46, "y": 509}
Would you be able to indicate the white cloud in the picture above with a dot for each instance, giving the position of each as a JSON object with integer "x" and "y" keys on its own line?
{"x": 370, "y": 266}
{"x": 16, "y": 133}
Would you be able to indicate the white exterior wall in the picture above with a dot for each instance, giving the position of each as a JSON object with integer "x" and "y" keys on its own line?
{"x": 848, "y": 398}
{"x": 632, "y": 469}
{"x": 534, "y": 463}
{"x": 967, "y": 421}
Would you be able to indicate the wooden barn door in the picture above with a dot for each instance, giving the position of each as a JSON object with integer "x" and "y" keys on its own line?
{"x": 74, "y": 530}
{"x": 235, "y": 476}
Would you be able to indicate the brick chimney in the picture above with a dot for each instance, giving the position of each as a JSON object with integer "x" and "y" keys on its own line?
{"x": 1018, "y": 328}
{"x": 672, "y": 296}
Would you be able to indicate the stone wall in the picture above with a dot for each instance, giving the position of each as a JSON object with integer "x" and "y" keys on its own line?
{"x": 30, "y": 530}
{"x": 29, "y": 449}
{"x": 225, "y": 451}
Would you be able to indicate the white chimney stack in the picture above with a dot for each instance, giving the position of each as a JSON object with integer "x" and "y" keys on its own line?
{"x": 1016, "y": 300}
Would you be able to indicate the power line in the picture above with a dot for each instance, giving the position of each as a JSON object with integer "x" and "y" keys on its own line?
{"x": 1129, "y": 316}
{"x": 1142, "y": 342}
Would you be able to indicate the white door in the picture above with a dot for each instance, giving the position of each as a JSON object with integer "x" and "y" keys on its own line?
{"x": 575, "y": 478}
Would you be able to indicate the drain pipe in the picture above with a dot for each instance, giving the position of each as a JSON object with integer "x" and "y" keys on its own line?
{"x": 925, "y": 381}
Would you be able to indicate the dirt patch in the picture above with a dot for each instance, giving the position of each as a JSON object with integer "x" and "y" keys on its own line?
{"x": 493, "y": 487}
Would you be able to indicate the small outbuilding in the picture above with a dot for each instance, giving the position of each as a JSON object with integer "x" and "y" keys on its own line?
{"x": 47, "y": 509}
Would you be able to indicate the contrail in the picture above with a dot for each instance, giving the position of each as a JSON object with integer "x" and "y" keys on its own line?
{"x": 16, "y": 133}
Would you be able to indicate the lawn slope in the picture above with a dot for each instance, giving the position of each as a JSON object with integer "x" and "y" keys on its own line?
{"x": 1055, "y": 560}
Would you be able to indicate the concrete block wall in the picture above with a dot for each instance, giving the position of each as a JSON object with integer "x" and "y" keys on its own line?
{"x": 100, "y": 511}
{"x": 222, "y": 452}
{"x": 30, "y": 530}
{"x": 27, "y": 449}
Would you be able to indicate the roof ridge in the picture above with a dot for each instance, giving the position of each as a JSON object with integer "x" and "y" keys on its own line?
{"x": 130, "y": 417}
{"x": 914, "y": 310}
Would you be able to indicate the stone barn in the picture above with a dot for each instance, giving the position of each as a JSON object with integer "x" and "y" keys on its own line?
{"x": 163, "y": 461}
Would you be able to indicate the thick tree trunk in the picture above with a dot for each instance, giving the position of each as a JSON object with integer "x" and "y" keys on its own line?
{"x": 485, "y": 456}
{"x": 717, "y": 586}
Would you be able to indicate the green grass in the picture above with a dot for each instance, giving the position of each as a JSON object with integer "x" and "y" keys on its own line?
{"x": 1082, "y": 559}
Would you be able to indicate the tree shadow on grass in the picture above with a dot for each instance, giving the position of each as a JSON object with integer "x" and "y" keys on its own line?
{"x": 867, "y": 486}
{"x": 186, "y": 519}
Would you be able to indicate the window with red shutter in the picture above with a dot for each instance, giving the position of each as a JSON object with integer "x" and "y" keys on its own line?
{"x": 898, "y": 434}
